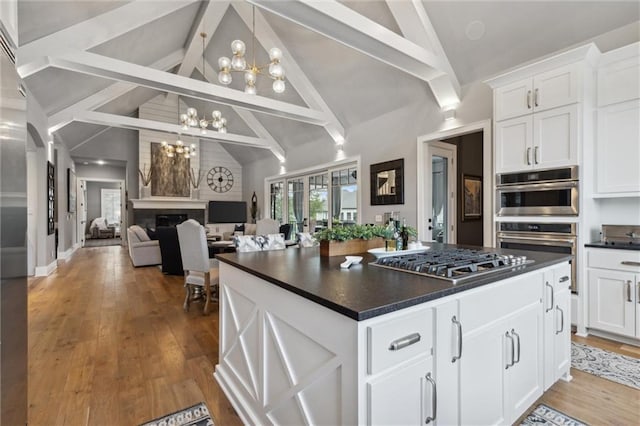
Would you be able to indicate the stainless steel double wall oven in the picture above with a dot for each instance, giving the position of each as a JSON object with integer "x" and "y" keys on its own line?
{"x": 544, "y": 194}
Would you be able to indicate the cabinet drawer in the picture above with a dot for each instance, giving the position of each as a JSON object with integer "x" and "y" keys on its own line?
{"x": 621, "y": 260}
{"x": 490, "y": 304}
{"x": 394, "y": 341}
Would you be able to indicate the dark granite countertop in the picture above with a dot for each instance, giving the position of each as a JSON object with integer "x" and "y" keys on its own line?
{"x": 364, "y": 291}
{"x": 617, "y": 246}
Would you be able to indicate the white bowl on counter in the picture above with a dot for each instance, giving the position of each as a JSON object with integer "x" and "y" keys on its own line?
{"x": 382, "y": 252}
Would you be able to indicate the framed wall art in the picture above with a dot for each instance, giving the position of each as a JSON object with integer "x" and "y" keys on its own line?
{"x": 387, "y": 182}
{"x": 472, "y": 197}
{"x": 71, "y": 191}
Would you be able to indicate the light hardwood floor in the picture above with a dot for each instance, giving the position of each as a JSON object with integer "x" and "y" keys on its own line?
{"x": 109, "y": 344}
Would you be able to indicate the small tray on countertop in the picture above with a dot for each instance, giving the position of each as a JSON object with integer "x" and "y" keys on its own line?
{"x": 381, "y": 252}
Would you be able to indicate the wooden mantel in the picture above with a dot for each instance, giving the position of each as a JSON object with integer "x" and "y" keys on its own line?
{"x": 168, "y": 203}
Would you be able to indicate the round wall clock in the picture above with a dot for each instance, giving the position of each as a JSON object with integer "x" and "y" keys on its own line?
{"x": 220, "y": 179}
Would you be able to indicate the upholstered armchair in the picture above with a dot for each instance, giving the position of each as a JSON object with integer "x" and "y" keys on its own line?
{"x": 143, "y": 250}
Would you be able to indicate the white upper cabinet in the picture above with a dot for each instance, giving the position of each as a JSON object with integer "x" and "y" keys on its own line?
{"x": 540, "y": 141}
{"x": 541, "y": 92}
{"x": 617, "y": 148}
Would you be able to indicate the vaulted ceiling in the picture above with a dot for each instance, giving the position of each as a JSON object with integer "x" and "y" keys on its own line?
{"x": 91, "y": 64}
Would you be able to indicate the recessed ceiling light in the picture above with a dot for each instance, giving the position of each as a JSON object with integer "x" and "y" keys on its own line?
{"x": 100, "y": 162}
{"x": 85, "y": 163}
{"x": 475, "y": 30}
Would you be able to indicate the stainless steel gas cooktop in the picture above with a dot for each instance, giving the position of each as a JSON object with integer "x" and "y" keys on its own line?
{"x": 453, "y": 265}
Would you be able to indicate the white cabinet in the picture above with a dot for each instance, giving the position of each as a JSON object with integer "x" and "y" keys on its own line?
{"x": 618, "y": 124}
{"x": 539, "y": 141}
{"x": 501, "y": 371}
{"x": 541, "y": 92}
{"x": 618, "y": 148}
{"x": 403, "y": 397}
{"x": 614, "y": 284}
{"x": 401, "y": 388}
{"x": 557, "y": 324}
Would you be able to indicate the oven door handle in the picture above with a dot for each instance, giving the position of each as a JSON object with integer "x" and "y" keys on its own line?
{"x": 564, "y": 242}
{"x": 544, "y": 186}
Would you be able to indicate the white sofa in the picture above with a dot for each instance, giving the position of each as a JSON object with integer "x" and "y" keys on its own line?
{"x": 143, "y": 250}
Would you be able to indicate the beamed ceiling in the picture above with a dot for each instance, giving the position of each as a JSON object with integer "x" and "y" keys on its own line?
{"x": 91, "y": 64}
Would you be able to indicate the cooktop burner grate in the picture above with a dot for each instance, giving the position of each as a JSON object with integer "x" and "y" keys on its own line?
{"x": 452, "y": 264}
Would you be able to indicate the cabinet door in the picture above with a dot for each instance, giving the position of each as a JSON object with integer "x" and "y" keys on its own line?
{"x": 513, "y": 100}
{"x": 555, "y": 141}
{"x": 562, "y": 334}
{"x": 482, "y": 370}
{"x": 618, "y": 149}
{"x": 619, "y": 81}
{"x": 514, "y": 144}
{"x": 611, "y": 302}
{"x": 448, "y": 355}
{"x": 548, "y": 302}
{"x": 402, "y": 396}
{"x": 525, "y": 378}
{"x": 638, "y": 306}
{"x": 556, "y": 88}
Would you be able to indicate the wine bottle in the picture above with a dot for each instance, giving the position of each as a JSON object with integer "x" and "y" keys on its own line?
{"x": 405, "y": 234}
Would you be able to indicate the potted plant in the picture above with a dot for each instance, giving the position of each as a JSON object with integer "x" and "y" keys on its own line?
{"x": 342, "y": 240}
{"x": 195, "y": 178}
{"x": 145, "y": 178}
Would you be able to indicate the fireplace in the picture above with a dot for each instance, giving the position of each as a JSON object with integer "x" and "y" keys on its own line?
{"x": 170, "y": 219}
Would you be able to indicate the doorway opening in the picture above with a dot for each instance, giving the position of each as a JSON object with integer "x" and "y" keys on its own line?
{"x": 102, "y": 213}
{"x": 465, "y": 215}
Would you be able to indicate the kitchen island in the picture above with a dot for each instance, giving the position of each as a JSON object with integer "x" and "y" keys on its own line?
{"x": 303, "y": 341}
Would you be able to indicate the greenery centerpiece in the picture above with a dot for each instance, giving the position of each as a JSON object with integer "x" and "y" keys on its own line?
{"x": 341, "y": 240}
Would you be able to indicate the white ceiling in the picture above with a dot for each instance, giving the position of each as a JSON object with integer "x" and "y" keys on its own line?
{"x": 355, "y": 86}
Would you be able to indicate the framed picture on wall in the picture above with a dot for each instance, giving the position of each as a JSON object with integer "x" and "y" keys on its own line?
{"x": 51, "y": 197}
{"x": 71, "y": 191}
{"x": 472, "y": 197}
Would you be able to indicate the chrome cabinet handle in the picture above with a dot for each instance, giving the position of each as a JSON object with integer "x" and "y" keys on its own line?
{"x": 536, "y": 156}
{"x": 528, "y": 156}
{"x": 529, "y": 99}
{"x": 561, "y": 320}
{"x": 459, "y": 327}
{"x": 551, "y": 287}
{"x": 512, "y": 351}
{"x": 517, "y": 359}
{"x": 564, "y": 279}
{"x": 629, "y": 291}
{"x": 630, "y": 263}
{"x": 535, "y": 98}
{"x": 405, "y": 341}
{"x": 434, "y": 399}
{"x": 638, "y": 294}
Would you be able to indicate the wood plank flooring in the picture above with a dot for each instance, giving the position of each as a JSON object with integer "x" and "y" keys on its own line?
{"x": 109, "y": 344}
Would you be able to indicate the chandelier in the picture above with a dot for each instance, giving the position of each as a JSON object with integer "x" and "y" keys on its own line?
{"x": 238, "y": 63}
{"x": 191, "y": 119}
{"x": 187, "y": 151}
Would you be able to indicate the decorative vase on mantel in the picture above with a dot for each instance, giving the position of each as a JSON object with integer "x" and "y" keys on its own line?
{"x": 195, "y": 193}
{"x": 145, "y": 192}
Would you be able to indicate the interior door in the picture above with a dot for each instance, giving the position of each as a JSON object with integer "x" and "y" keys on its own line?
{"x": 440, "y": 185}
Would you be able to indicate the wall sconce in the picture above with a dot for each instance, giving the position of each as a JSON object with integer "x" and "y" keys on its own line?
{"x": 449, "y": 111}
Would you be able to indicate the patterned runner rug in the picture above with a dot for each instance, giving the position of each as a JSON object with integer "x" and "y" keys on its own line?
{"x": 547, "y": 416}
{"x": 197, "y": 415}
{"x": 608, "y": 365}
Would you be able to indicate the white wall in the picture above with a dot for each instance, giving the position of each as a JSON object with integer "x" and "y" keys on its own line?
{"x": 43, "y": 245}
{"x": 387, "y": 137}
{"x": 210, "y": 153}
{"x": 66, "y": 221}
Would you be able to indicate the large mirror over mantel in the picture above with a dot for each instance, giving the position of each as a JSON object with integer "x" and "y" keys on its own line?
{"x": 387, "y": 182}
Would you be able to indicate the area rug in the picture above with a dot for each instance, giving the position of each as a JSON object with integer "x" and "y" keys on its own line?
{"x": 545, "y": 415}
{"x": 197, "y": 415}
{"x": 608, "y": 365}
{"x": 102, "y": 242}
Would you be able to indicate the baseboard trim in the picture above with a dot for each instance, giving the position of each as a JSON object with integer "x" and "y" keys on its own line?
{"x": 615, "y": 337}
{"x": 64, "y": 255}
{"x": 43, "y": 271}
